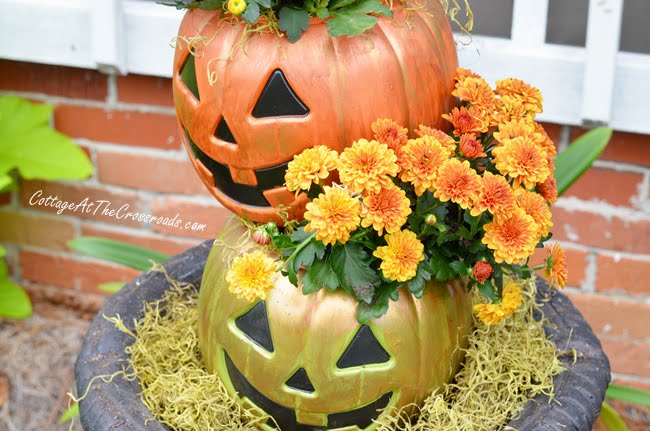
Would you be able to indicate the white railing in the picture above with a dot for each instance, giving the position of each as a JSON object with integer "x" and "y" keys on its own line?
{"x": 592, "y": 85}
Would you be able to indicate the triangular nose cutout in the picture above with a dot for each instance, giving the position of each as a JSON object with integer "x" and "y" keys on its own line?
{"x": 223, "y": 132}
{"x": 364, "y": 349}
{"x": 278, "y": 99}
{"x": 300, "y": 381}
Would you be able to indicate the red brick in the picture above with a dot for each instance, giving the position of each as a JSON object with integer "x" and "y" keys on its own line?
{"x": 627, "y": 357}
{"x": 119, "y": 127}
{"x": 156, "y": 242}
{"x": 632, "y": 384}
{"x": 70, "y": 272}
{"x": 53, "y": 80}
{"x": 213, "y": 216}
{"x": 147, "y": 90}
{"x": 576, "y": 264}
{"x": 624, "y": 147}
{"x": 623, "y": 274}
{"x": 77, "y": 193}
{"x": 595, "y": 230}
{"x": 5, "y": 198}
{"x": 615, "y": 188}
{"x": 149, "y": 173}
{"x": 47, "y": 231}
{"x": 614, "y": 316}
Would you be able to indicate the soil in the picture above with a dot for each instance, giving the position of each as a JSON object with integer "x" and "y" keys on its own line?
{"x": 36, "y": 358}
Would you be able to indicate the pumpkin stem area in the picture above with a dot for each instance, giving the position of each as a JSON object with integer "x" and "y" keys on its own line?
{"x": 486, "y": 394}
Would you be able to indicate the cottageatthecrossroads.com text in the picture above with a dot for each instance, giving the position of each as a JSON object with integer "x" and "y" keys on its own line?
{"x": 105, "y": 208}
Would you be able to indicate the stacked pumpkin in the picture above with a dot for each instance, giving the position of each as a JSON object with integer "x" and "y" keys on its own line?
{"x": 247, "y": 103}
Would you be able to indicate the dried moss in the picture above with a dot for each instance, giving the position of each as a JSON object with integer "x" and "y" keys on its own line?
{"x": 506, "y": 364}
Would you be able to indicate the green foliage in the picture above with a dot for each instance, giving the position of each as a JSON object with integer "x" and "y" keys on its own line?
{"x": 293, "y": 22}
{"x": 612, "y": 420}
{"x": 118, "y": 252}
{"x": 630, "y": 395}
{"x": 111, "y": 287}
{"x": 579, "y": 156}
{"x": 352, "y": 266}
{"x": 14, "y": 302}
{"x": 71, "y": 412}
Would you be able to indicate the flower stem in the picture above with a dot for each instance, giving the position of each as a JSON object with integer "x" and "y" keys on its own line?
{"x": 296, "y": 251}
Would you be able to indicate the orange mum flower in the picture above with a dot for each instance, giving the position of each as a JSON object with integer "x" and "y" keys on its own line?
{"x": 477, "y": 92}
{"x": 495, "y": 196}
{"x": 251, "y": 276}
{"x": 446, "y": 140}
{"x": 548, "y": 189}
{"x": 471, "y": 147}
{"x": 490, "y": 314}
{"x": 517, "y": 128}
{"x": 467, "y": 120}
{"x": 457, "y": 182}
{"x": 511, "y": 298}
{"x": 530, "y": 96}
{"x": 401, "y": 256}
{"x": 421, "y": 159}
{"x": 388, "y": 210}
{"x": 462, "y": 74}
{"x": 512, "y": 237}
{"x": 310, "y": 166}
{"x": 367, "y": 166}
{"x": 547, "y": 143}
{"x": 390, "y": 133}
{"x": 523, "y": 161}
{"x": 535, "y": 206}
{"x": 333, "y": 215}
{"x": 509, "y": 108}
{"x": 556, "y": 268}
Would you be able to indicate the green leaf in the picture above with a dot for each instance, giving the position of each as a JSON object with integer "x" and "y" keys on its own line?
{"x": 338, "y": 4}
{"x": 14, "y": 301}
{"x": 320, "y": 274}
{"x": 612, "y": 420}
{"x": 416, "y": 284}
{"x": 112, "y": 287}
{"x": 487, "y": 290}
{"x": 29, "y": 144}
{"x": 459, "y": 267}
{"x": 252, "y": 12}
{"x": 323, "y": 13}
{"x": 6, "y": 181}
{"x": 305, "y": 257}
{"x": 364, "y": 7}
{"x": 117, "y": 252}
{"x": 72, "y": 412}
{"x": 266, "y": 4}
{"x": 579, "y": 156}
{"x": 379, "y": 306}
{"x": 293, "y": 22}
{"x": 352, "y": 266}
{"x": 630, "y": 395}
{"x": 211, "y": 5}
{"x": 440, "y": 266}
{"x": 350, "y": 24}
{"x": 3, "y": 252}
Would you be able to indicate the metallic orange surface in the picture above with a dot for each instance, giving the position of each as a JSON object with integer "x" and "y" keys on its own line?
{"x": 403, "y": 68}
{"x": 421, "y": 336}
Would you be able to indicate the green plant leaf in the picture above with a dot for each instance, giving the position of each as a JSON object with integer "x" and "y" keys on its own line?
{"x": 3, "y": 252}
{"x": 293, "y": 22}
{"x": 350, "y": 24}
{"x": 211, "y": 5}
{"x": 117, "y": 252}
{"x": 352, "y": 266}
{"x": 6, "y": 181}
{"x": 416, "y": 284}
{"x": 579, "y": 156}
{"x": 323, "y": 13}
{"x": 112, "y": 287}
{"x": 612, "y": 420}
{"x": 379, "y": 305}
{"x": 28, "y": 144}
{"x": 338, "y": 4}
{"x": 630, "y": 395}
{"x": 440, "y": 266}
{"x": 319, "y": 275}
{"x": 367, "y": 6}
{"x": 252, "y": 12}
{"x": 14, "y": 301}
{"x": 305, "y": 257}
{"x": 71, "y": 412}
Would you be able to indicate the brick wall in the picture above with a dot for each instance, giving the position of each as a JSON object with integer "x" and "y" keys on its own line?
{"x": 127, "y": 126}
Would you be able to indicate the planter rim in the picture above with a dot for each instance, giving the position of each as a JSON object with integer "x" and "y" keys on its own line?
{"x": 116, "y": 406}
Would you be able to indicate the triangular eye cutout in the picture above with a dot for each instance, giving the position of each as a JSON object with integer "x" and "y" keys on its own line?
{"x": 363, "y": 350}
{"x": 300, "y": 381}
{"x": 255, "y": 325}
{"x": 223, "y": 132}
{"x": 278, "y": 99}
{"x": 188, "y": 76}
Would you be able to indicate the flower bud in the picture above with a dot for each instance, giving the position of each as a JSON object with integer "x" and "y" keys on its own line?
{"x": 482, "y": 271}
{"x": 236, "y": 7}
{"x": 431, "y": 219}
{"x": 261, "y": 236}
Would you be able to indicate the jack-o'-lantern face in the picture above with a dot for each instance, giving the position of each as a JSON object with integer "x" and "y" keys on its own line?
{"x": 308, "y": 363}
{"x": 244, "y": 115}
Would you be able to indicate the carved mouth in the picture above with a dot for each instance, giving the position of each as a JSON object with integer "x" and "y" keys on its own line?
{"x": 286, "y": 417}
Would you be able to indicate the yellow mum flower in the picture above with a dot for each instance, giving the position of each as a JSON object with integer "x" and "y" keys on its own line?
{"x": 511, "y": 298}
{"x": 535, "y": 206}
{"x": 400, "y": 258}
{"x": 512, "y": 237}
{"x": 457, "y": 182}
{"x": 310, "y": 166}
{"x": 445, "y": 140}
{"x": 522, "y": 160}
{"x": 236, "y": 7}
{"x": 530, "y": 96}
{"x": 333, "y": 215}
{"x": 558, "y": 273}
{"x": 509, "y": 108}
{"x": 251, "y": 276}
{"x": 517, "y": 128}
{"x": 490, "y": 314}
{"x": 495, "y": 196}
{"x": 367, "y": 166}
{"x": 420, "y": 161}
{"x": 388, "y": 210}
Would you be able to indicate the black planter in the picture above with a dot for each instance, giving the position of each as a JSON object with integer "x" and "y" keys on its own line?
{"x": 116, "y": 406}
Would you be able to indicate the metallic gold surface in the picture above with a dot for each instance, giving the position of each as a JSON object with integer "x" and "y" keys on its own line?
{"x": 422, "y": 337}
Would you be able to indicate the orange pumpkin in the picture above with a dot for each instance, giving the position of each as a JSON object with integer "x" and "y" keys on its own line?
{"x": 244, "y": 115}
